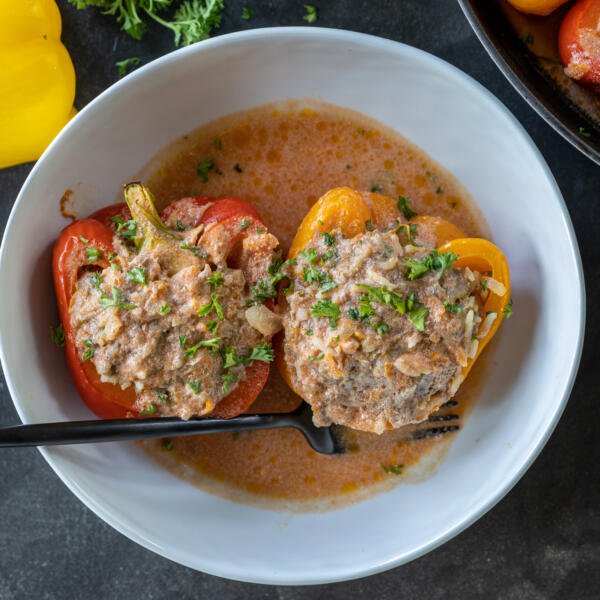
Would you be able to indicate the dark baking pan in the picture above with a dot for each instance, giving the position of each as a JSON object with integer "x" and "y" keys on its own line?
{"x": 523, "y": 70}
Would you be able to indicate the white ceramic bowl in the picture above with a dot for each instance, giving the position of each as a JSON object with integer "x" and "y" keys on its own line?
{"x": 450, "y": 116}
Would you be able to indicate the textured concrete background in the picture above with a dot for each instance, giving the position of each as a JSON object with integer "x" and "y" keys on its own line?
{"x": 542, "y": 541}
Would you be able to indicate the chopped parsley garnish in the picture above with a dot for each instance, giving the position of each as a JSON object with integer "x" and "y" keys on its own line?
{"x": 124, "y": 65}
{"x": 376, "y": 189}
{"x": 227, "y": 380}
{"x": 393, "y": 469}
{"x": 312, "y": 13}
{"x": 352, "y": 313}
{"x": 385, "y": 296}
{"x": 328, "y": 238}
{"x": 180, "y": 226}
{"x": 195, "y": 250}
{"x": 82, "y": 239}
{"x": 262, "y": 352}
{"x": 583, "y": 132}
{"x": 265, "y": 289}
{"x": 309, "y": 332}
{"x": 57, "y": 335}
{"x": 212, "y": 344}
{"x": 483, "y": 283}
{"x": 204, "y": 167}
{"x": 216, "y": 280}
{"x": 237, "y": 168}
{"x": 439, "y": 190}
{"x": 183, "y": 340}
{"x": 126, "y": 229}
{"x": 212, "y": 326}
{"x": 218, "y": 144}
{"x": 89, "y": 352}
{"x": 215, "y": 305}
{"x": 96, "y": 279}
{"x": 417, "y": 315}
{"x": 327, "y": 309}
{"x": 369, "y": 225}
{"x": 112, "y": 256}
{"x": 435, "y": 261}
{"x": 508, "y": 309}
{"x": 527, "y": 38}
{"x": 245, "y": 224}
{"x": 453, "y": 309}
{"x": 260, "y": 230}
{"x": 247, "y": 13}
{"x": 195, "y": 386}
{"x": 93, "y": 254}
{"x": 116, "y": 299}
{"x": 381, "y": 328}
{"x": 165, "y": 309}
{"x": 149, "y": 410}
{"x": 404, "y": 207}
{"x": 162, "y": 395}
{"x": 319, "y": 356}
{"x": 138, "y": 274}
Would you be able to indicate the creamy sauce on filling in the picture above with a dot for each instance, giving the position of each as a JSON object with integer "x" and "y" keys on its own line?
{"x": 282, "y": 158}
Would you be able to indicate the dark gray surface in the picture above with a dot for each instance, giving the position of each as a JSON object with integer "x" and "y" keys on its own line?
{"x": 541, "y": 541}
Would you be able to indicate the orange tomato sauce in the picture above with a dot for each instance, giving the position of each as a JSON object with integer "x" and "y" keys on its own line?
{"x": 281, "y": 158}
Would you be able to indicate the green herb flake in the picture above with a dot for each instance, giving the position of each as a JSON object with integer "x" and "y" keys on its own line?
{"x": 262, "y": 352}
{"x": 162, "y": 395}
{"x": 583, "y": 132}
{"x": 116, "y": 299}
{"x": 260, "y": 230}
{"x": 417, "y": 315}
{"x": 216, "y": 280}
{"x": 165, "y": 309}
{"x": 436, "y": 261}
{"x": 404, "y": 207}
{"x": 195, "y": 250}
{"x": 183, "y": 340}
{"x": 327, "y": 309}
{"x": 203, "y": 169}
{"x": 149, "y": 410}
{"x": 138, "y": 275}
{"x": 212, "y": 326}
{"x": 96, "y": 280}
{"x": 195, "y": 386}
{"x": 167, "y": 445}
{"x": 316, "y": 357}
{"x": 247, "y": 13}
{"x": 211, "y": 344}
{"x": 439, "y": 190}
{"x": 376, "y": 188}
{"x": 82, "y": 239}
{"x": 328, "y": 238}
{"x": 93, "y": 254}
{"x": 312, "y": 13}
{"x": 227, "y": 381}
{"x": 124, "y": 65}
{"x": 126, "y": 229}
{"x": 508, "y": 309}
{"x": 369, "y": 225}
{"x": 393, "y": 469}
{"x": 453, "y": 309}
{"x": 381, "y": 328}
{"x": 213, "y": 305}
{"x": 57, "y": 335}
{"x": 483, "y": 283}
{"x": 245, "y": 224}
{"x": 309, "y": 332}
{"x": 89, "y": 352}
{"x": 385, "y": 296}
{"x": 218, "y": 144}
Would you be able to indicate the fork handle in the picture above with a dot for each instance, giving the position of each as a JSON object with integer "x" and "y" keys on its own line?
{"x": 115, "y": 430}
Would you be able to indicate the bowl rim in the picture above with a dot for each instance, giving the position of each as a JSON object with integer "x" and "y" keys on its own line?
{"x": 470, "y": 515}
{"x": 529, "y": 91}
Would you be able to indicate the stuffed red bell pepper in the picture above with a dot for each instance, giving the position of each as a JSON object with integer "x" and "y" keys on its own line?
{"x": 168, "y": 314}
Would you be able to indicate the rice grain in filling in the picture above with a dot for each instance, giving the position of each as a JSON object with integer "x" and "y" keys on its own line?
{"x": 366, "y": 346}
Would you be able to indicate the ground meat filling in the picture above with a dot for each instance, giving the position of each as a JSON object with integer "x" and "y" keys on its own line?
{"x": 378, "y": 329}
{"x": 178, "y": 335}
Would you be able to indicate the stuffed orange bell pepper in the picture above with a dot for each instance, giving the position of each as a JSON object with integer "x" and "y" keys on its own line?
{"x": 37, "y": 79}
{"x": 375, "y": 338}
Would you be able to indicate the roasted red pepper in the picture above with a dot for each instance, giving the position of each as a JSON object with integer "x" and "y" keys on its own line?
{"x": 70, "y": 260}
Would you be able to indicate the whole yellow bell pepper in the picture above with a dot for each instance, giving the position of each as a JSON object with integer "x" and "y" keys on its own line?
{"x": 37, "y": 79}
